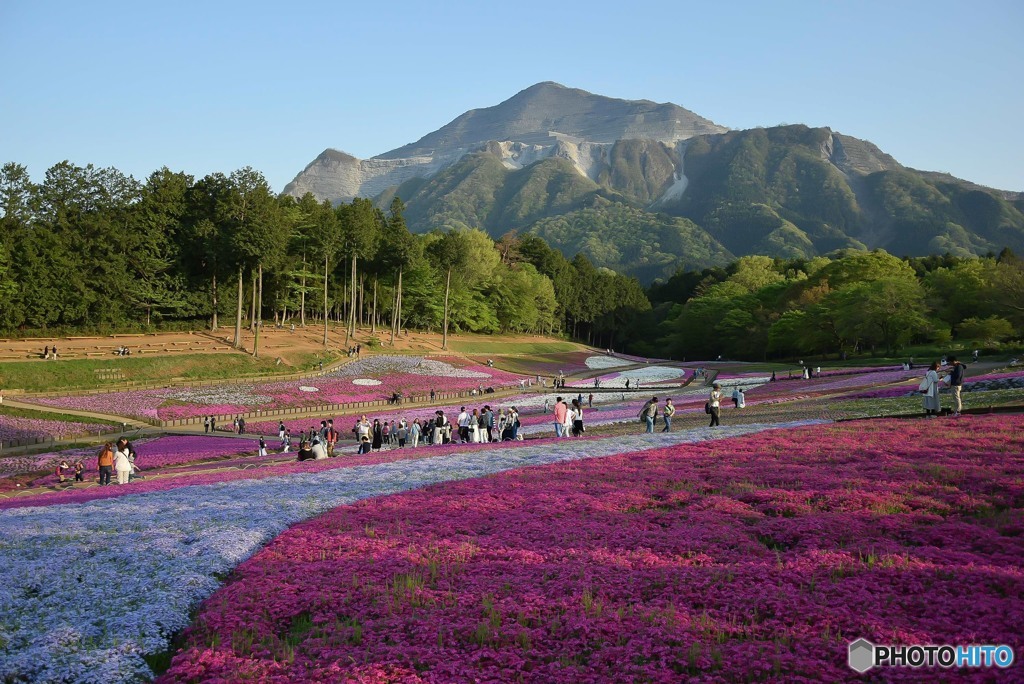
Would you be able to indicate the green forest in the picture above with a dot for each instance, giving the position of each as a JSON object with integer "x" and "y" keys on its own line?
{"x": 849, "y": 301}
{"x": 93, "y": 250}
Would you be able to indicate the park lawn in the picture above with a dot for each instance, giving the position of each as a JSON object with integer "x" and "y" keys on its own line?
{"x": 496, "y": 346}
{"x": 88, "y": 373}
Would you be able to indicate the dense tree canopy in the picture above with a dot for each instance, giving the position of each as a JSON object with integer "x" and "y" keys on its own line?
{"x": 90, "y": 248}
{"x": 93, "y": 249}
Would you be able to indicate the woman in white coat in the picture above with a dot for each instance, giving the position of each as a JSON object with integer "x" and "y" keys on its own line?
{"x": 930, "y": 391}
{"x": 122, "y": 466}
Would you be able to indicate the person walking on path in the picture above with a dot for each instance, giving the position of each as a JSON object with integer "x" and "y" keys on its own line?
{"x": 105, "y": 462}
{"x": 561, "y": 410}
{"x": 956, "y": 384}
{"x": 649, "y": 413}
{"x": 667, "y": 414}
{"x": 930, "y": 390}
{"x": 714, "y": 403}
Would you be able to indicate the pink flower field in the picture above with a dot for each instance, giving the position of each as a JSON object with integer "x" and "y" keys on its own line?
{"x": 756, "y": 558}
{"x": 385, "y": 375}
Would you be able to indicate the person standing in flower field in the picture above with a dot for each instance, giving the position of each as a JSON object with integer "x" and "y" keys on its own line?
{"x": 667, "y": 414}
{"x": 715, "y": 404}
{"x": 414, "y": 433}
{"x": 280, "y": 430}
{"x": 577, "y": 418}
{"x": 105, "y": 463}
{"x": 79, "y": 471}
{"x": 513, "y": 417}
{"x": 463, "y": 421}
{"x": 955, "y": 380}
{"x": 956, "y": 384}
{"x": 560, "y": 412}
{"x": 263, "y": 446}
{"x": 332, "y": 437}
{"x": 122, "y": 465}
{"x": 930, "y": 390}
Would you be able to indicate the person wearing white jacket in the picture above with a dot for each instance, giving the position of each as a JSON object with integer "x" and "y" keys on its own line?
{"x": 930, "y": 390}
{"x": 122, "y": 466}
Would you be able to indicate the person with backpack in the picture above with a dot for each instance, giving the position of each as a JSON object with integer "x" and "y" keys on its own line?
{"x": 649, "y": 413}
{"x": 955, "y": 379}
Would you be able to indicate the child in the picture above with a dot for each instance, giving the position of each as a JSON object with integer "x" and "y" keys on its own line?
{"x": 364, "y": 444}
{"x": 79, "y": 471}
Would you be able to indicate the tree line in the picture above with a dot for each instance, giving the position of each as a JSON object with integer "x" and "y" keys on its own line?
{"x": 93, "y": 249}
{"x": 850, "y": 301}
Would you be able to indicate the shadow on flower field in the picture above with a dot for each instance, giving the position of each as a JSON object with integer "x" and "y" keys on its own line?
{"x": 757, "y": 558}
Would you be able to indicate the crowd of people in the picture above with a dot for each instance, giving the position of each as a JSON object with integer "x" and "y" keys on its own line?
{"x": 472, "y": 426}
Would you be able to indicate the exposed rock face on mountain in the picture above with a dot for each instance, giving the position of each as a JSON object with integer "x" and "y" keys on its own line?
{"x": 648, "y": 188}
{"x": 545, "y": 120}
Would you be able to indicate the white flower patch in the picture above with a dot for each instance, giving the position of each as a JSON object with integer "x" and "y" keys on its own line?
{"x": 369, "y": 382}
{"x": 600, "y": 362}
{"x": 416, "y": 365}
{"x": 647, "y": 374}
{"x": 378, "y": 365}
{"x": 446, "y": 370}
{"x": 90, "y": 588}
{"x": 307, "y": 388}
{"x": 243, "y": 395}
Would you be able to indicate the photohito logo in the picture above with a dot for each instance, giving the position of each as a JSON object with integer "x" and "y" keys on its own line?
{"x": 865, "y": 655}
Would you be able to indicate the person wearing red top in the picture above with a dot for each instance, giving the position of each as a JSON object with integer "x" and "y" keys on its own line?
{"x": 560, "y": 412}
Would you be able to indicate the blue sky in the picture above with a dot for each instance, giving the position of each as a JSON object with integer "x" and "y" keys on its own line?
{"x": 214, "y": 86}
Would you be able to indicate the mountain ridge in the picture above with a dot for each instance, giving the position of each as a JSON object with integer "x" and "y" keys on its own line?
{"x": 550, "y": 159}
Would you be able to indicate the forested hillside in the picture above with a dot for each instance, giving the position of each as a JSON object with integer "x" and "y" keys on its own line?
{"x": 789, "y": 192}
{"x": 93, "y": 249}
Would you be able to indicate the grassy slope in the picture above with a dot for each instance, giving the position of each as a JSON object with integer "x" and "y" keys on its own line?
{"x": 88, "y": 373}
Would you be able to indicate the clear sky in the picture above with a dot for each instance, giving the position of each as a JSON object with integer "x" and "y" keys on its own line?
{"x": 217, "y": 85}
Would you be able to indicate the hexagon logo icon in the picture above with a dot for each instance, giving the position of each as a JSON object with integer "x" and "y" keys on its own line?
{"x": 862, "y": 655}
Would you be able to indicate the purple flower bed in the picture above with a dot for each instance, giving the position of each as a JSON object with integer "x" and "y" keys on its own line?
{"x": 14, "y": 427}
{"x": 404, "y": 375}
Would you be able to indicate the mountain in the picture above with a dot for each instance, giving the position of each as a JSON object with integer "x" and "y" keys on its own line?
{"x": 545, "y": 120}
{"x": 648, "y": 188}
